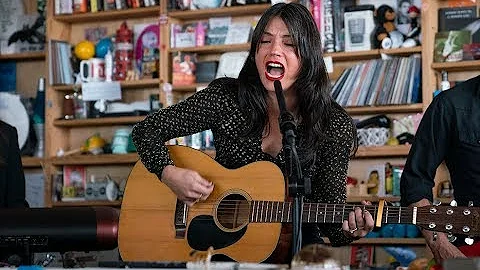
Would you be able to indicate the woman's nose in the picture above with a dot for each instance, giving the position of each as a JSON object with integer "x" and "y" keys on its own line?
{"x": 276, "y": 48}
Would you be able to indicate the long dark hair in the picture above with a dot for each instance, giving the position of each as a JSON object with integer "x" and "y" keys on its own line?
{"x": 312, "y": 86}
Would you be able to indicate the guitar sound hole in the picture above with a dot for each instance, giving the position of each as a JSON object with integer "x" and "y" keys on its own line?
{"x": 233, "y": 212}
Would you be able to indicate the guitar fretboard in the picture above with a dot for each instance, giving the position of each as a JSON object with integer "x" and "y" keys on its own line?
{"x": 275, "y": 212}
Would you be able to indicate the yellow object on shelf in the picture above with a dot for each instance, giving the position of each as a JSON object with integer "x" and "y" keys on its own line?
{"x": 84, "y": 50}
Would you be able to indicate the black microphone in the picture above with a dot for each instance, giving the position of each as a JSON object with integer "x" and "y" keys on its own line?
{"x": 59, "y": 229}
{"x": 285, "y": 118}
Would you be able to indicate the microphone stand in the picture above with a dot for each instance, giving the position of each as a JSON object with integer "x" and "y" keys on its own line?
{"x": 298, "y": 186}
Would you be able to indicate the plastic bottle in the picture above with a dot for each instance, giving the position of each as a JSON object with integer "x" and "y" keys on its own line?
{"x": 39, "y": 117}
{"x": 108, "y": 66}
{"x": 444, "y": 84}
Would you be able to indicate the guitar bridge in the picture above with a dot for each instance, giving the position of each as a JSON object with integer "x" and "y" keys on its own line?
{"x": 180, "y": 219}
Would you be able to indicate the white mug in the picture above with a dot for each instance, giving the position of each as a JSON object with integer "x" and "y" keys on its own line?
{"x": 92, "y": 70}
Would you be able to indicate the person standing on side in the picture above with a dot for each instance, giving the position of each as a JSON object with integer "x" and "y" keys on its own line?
{"x": 449, "y": 131}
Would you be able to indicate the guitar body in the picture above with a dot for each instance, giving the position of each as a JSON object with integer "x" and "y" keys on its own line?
{"x": 148, "y": 226}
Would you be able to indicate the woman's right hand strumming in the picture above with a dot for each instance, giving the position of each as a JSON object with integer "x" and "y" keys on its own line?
{"x": 188, "y": 185}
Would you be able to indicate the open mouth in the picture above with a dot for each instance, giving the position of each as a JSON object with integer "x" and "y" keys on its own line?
{"x": 274, "y": 71}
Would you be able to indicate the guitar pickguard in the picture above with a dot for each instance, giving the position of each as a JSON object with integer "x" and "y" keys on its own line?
{"x": 204, "y": 233}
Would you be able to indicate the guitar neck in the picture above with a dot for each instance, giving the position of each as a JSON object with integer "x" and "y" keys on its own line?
{"x": 275, "y": 212}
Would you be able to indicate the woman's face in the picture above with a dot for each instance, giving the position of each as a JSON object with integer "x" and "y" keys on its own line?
{"x": 276, "y": 57}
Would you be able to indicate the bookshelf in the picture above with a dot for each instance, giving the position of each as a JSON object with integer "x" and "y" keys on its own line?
{"x": 32, "y": 162}
{"x": 27, "y": 56}
{"x": 104, "y": 121}
{"x": 138, "y": 84}
{"x": 68, "y": 134}
{"x": 72, "y": 133}
{"x": 64, "y": 133}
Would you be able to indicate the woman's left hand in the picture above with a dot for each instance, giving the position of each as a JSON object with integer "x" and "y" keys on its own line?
{"x": 359, "y": 223}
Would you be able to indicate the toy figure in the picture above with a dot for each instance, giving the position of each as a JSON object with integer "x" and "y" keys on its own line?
{"x": 385, "y": 35}
{"x": 413, "y": 37}
{"x": 373, "y": 181}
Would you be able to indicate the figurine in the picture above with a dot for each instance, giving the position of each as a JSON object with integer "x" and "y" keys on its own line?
{"x": 413, "y": 37}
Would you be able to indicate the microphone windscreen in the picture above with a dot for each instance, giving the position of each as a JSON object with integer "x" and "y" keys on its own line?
{"x": 60, "y": 228}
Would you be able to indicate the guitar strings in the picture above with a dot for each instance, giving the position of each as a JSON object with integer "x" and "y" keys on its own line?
{"x": 234, "y": 208}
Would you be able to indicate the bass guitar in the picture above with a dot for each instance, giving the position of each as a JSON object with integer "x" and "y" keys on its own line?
{"x": 243, "y": 215}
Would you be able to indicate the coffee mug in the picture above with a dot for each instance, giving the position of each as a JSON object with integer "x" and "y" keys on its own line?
{"x": 92, "y": 70}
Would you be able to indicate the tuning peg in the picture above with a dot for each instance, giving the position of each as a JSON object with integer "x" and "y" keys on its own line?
{"x": 469, "y": 241}
{"x": 437, "y": 203}
{"x": 451, "y": 238}
{"x": 435, "y": 236}
{"x": 470, "y": 203}
{"x": 453, "y": 203}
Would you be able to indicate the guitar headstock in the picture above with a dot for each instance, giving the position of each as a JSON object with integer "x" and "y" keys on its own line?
{"x": 450, "y": 219}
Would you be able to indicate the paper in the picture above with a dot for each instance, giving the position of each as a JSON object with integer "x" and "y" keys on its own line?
{"x": 35, "y": 189}
{"x": 101, "y": 90}
{"x": 238, "y": 33}
{"x": 328, "y": 63}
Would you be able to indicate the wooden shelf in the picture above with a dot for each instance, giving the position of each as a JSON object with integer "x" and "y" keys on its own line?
{"x": 87, "y": 203}
{"x": 457, "y": 66}
{"x": 103, "y": 16}
{"x": 385, "y": 241}
{"x": 27, "y": 56}
{"x": 403, "y": 108}
{"x": 382, "y": 151}
{"x": 402, "y": 51}
{"x": 200, "y": 14}
{"x": 353, "y": 56}
{"x": 213, "y": 48}
{"x": 138, "y": 84}
{"x": 372, "y": 54}
{"x": 372, "y": 198}
{"x": 32, "y": 162}
{"x": 104, "y": 121}
{"x": 443, "y": 200}
{"x": 188, "y": 88}
{"x": 96, "y": 160}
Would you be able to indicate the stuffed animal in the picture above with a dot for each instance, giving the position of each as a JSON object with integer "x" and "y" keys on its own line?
{"x": 386, "y": 35}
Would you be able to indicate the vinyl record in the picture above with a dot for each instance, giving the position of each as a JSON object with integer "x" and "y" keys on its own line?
{"x": 14, "y": 113}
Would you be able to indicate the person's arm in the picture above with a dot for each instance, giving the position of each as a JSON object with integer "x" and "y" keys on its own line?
{"x": 329, "y": 182}
{"x": 197, "y": 113}
{"x": 15, "y": 175}
{"x": 432, "y": 140}
{"x": 202, "y": 111}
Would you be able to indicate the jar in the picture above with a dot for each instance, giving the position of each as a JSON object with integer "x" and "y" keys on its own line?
{"x": 120, "y": 141}
{"x": 123, "y": 52}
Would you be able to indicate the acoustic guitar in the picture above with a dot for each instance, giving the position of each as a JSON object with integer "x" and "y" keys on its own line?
{"x": 243, "y": 215}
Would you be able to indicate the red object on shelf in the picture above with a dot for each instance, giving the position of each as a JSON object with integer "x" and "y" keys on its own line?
{"x": 123, "y": 52}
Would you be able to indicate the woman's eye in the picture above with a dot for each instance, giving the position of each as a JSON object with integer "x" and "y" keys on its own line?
{"x": 265, "y": 41}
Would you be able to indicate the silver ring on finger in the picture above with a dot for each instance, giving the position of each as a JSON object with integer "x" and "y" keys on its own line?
{"x": 198, "y": 199}
{"x": 353, "y": 230}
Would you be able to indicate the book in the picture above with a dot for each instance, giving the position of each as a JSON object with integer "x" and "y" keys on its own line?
{"x": 146, "y": 39}
{"x": 449, "y": 45}
{"x": 448, "y": 18}
{"x": 74, "y": 182}
{"x": 183, "y": 68}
